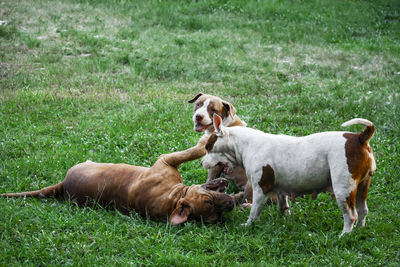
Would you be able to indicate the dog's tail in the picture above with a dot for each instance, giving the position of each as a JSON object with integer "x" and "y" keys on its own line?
{"x": 50, "y": 191}
{"x": 367, "y": 134}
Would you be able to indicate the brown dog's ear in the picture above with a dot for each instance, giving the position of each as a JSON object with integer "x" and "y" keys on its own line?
{"x": 179, "y": 215}
{"x": 218, "y": 185}
{"x": 195, "y": 98}
{"x": 229, "y": 107}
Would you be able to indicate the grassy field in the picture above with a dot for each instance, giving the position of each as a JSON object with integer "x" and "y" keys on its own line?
{"x": 109, "y": 81}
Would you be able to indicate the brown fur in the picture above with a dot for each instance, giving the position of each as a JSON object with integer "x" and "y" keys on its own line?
{"x": 157, "y": 192}
{"x": 267, "y": 179}
{"x": 211, "y": 141}
{"x": 359, "y": 163}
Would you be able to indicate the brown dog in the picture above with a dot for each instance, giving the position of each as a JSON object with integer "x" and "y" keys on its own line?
{"x": 156, "y": 192}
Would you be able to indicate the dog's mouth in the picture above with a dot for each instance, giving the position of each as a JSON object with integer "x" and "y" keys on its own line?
{"x": 198, "y": 127}
{"x": 218, "y": 185}
{"x": 227, "y": 169}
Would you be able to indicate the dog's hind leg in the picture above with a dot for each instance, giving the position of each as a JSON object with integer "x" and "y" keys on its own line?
{"x": 346, "y": 200}
{"x": 361, "y": 200}
{"x": 283, "y": 204}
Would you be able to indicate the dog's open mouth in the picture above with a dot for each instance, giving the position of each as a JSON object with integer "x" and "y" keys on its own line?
{"x": 227, "y": 169}
{"x": 198, "y": 127}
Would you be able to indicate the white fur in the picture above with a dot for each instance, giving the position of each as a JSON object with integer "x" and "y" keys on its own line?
{"x": 301, "y": 164}
{"x": 357, "y": 121}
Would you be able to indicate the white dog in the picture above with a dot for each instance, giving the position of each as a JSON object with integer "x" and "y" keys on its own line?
{"x": 341, "y": 162}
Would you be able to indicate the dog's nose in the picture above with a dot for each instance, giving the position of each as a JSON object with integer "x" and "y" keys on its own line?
{"x": 229, "y": 204}
{"x": 199, "y": 117}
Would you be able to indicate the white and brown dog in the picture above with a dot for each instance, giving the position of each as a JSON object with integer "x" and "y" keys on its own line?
{"x": 341, "y": 162}
{"x": 205, "y": 106}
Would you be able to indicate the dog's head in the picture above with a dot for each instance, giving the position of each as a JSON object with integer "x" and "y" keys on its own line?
{"x": 203, "y": 202}
{"x": 220, "y": 148}
{"x": 205, "y": 106}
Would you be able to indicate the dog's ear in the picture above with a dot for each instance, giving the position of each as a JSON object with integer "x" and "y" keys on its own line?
{"x": 218, "y": 185}
{"x": 195, "y": 98}
{"x": 229, "y": 108}
{"x": 179, "y": 215}
{"x": 217, "y": 121}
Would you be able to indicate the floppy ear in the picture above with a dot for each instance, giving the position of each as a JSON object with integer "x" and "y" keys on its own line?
{"x": 179, "y": 215}
{"x": 218, "y": 124}
{"x": 195, "y": 98}
{"x": 218, "y": 185}
{"x": 229, "y": 107}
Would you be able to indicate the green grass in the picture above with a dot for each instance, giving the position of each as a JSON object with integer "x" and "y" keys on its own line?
{"x": 109, "y": 81}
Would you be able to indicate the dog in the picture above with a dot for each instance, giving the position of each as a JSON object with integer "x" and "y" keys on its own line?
{"x": 156, "y": 192}
{"x": 341, "y": 162}
{"x": 205, "y": 106}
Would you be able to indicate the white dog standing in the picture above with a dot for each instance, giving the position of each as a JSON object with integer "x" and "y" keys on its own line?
{"x": 341, "y": 162}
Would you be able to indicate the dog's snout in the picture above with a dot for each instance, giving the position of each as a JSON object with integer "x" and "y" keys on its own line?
{"x": 199, "y": 117}
{"x": 229, "y": 204}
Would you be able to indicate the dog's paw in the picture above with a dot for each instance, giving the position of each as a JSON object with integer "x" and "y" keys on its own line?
{"x": 246, "y": 205}
{"x": 247, "y": 224}
{"x": 286, "y": 212}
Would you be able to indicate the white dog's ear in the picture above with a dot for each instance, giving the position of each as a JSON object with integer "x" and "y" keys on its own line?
{"x": 218, "y": 126}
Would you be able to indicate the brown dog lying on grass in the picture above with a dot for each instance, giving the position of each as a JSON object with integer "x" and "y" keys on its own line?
{"x": 156, "y": 192}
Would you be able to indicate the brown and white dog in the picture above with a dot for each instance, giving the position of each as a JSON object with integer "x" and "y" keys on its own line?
{"x": 205, "y": 106}
{"x": 157, "y": 192}
{"x": 341, "y": 162}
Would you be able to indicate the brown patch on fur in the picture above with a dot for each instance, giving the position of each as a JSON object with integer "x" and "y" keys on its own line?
{"x": 351, "y": 200}
{"x": 358, "y": 160}
{"x": 362, "y": 189}
{"x": 367, "y": 134}
{"x": 359, "y": 164}
{"x": 217, "y": 107}
{"x": 211, "y": 141}
{"x": 267, "y": 179}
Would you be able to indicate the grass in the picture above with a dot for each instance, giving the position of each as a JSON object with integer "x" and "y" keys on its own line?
{"x": 109, "y": 81}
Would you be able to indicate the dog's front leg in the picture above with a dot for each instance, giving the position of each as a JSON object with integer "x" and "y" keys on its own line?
{"x": 259, "y": 200}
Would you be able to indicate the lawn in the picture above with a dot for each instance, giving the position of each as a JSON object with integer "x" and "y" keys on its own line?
{"x": 109, "y": 80}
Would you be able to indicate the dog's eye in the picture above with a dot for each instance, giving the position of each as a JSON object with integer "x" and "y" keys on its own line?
{"x": 209, "y": 202}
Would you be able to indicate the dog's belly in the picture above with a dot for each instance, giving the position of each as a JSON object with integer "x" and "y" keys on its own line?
{"x": 302, "y": 182}
{"x": 303, "y": 165}
{"x": 302, "y": 176}
{"x": 102, "y": 182}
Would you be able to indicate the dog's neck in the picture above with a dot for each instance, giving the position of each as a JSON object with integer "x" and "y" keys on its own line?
{"x": 177, "y": 191}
